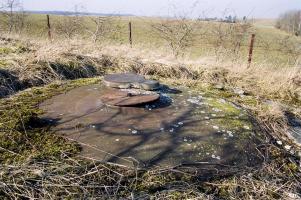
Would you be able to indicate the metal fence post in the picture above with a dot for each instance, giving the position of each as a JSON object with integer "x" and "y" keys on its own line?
{"x": 49, "y": 27}
{"x": 251, "y": 50}
{"x": 130, "y": 34}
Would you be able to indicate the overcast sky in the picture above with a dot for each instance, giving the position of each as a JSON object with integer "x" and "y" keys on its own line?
{"x": 208, "y": 8}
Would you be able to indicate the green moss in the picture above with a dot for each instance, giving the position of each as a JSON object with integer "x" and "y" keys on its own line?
{"x": 3, "y": 63}
{"x": 5, "y": 50}
{"x": 21, "y": 49}
{"x": 226, "y": 107}
{"x": 19, "y": 139}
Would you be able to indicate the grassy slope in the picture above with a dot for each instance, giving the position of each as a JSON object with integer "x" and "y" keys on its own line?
{"x": 268, "y": 39}
{"x": 47, "y": 159}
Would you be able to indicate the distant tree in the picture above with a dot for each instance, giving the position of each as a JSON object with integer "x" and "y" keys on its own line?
{"x": 290, "y": 22}
{"x": 14, "y": 15}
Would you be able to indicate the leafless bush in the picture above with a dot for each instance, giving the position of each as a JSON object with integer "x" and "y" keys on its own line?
{"x": 103, "y": 26}
{"x": 228, "y": 38}
{"x": 13, "y": 16}
{"x": 179, "y": 33}
{"x": 69, "y": 26}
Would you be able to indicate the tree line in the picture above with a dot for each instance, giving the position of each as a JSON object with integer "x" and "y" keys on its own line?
{"x": 290, "y": 22}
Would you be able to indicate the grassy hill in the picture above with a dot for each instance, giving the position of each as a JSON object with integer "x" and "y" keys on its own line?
{"x": 36, "y": 163}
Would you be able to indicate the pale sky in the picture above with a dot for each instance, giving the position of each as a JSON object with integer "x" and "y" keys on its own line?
{"x": 203, "y": 8}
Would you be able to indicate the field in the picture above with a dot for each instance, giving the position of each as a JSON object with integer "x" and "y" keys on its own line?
{"x": 36, "y": 163}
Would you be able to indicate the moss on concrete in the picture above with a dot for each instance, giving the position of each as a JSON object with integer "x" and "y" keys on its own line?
{"x": 23, "y": 136}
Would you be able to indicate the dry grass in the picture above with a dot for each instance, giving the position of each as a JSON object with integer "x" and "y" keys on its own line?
{"x": 44, "y": 62}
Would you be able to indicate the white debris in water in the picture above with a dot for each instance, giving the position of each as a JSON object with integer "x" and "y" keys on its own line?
{"x": 196, "y": 100}
{"x": 93, "y": 126}
{"x": 162, "y": 129}
{"x": 216, "y": 110}
{"x": 247, "y": 127}
{"x": 171, "y": 130}
{"x": 230, "y": 133}
{"x": 279, "y": 142}
{"x": 61, "y": 114}
{"x": 216, "y": 127}
{"x": 185, "y": 140}
{"x": 287, "y": 147}
{"x": 222, "y": 101}
{"x": 117, "y": 140}
{"x": 180, "y": 123}
{"x": 216, "y": 157}
{"x": 134, "y": 131}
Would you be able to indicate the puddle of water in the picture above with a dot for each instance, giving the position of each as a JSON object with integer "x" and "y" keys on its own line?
{"x": 183, "y": 127}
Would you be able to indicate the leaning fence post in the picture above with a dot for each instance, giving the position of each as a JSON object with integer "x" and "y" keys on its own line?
{"x": 130, "y": 34}
{"x": 251, "y": 50}
{"x": 49, "y": 27}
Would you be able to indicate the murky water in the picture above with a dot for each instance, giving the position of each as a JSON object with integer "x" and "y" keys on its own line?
{"x": 184, "y": 127}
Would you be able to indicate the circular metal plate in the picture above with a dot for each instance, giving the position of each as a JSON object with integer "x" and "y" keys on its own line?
{"x": 130, "y": 80}
{"x": 128, "y": 98}
{"x": 124, "y": 78}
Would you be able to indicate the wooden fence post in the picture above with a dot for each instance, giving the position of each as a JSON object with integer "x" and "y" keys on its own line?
{"x": 49, "y": 27}
{"x": 130, "y": 34}
{"x": 251, "y": 50}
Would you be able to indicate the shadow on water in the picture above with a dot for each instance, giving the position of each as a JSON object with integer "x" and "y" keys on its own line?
{"x": 166, "y": 133}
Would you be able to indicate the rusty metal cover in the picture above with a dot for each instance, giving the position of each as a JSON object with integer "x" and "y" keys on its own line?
{"x": 128, "y": 98}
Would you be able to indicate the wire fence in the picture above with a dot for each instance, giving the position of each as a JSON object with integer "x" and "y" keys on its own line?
{"x": 250, "y": 43}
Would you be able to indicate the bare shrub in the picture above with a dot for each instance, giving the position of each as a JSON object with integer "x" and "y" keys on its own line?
{"x": 69, "y": 26}
{"x": 228, "y": 38}
{"x": 179, "y": 33}
{"x": 103, "y": 26}
{"x": 13, "y": 16}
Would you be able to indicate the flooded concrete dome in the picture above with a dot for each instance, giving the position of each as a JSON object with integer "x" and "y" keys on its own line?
{"x": 182, "y": 127}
